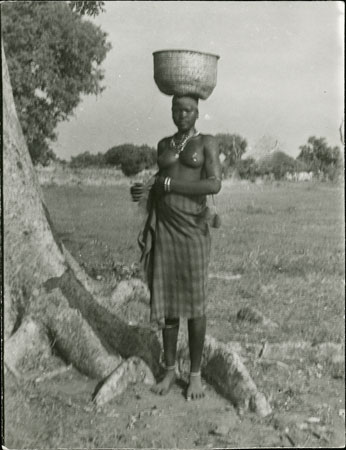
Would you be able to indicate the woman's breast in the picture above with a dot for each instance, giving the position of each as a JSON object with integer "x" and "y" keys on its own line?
{"x": 192, "y": 157}
{"x": 188, "y": 157}
{"x": 166, "y": 160}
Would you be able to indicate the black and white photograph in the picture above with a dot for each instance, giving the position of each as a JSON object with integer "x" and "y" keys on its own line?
{"x": 173, "y": 224}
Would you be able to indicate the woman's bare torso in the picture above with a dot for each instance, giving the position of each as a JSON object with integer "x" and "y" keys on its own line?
{"x": 189, "y": 165}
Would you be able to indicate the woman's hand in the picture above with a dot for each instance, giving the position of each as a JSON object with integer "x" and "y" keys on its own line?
{"x": 159, "y": 182}
{"x": 137, "y": 191}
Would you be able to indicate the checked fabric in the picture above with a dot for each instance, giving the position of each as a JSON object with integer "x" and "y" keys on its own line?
{"x": 175, "y": 243}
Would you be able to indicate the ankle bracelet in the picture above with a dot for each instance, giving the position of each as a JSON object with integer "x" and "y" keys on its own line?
{"x": 171, "y": 325}
{"x": 170, "y": 367}
{"x": 195, "y": 374}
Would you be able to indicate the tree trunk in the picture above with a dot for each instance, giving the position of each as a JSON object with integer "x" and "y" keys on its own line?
{"x": 39, "y": 280}
{"x": 48, "y": 295}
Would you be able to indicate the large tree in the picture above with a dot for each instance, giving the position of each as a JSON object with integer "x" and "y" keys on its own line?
{"x": 277, "y": 163}
{"x": 233, "y": 146}
{"x": 131, "y": 158}
{"x": 54, "y": 57}
{"x": 319, "y": 157}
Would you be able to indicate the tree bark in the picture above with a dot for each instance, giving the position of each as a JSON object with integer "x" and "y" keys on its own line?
{"x": 31, "y": 253}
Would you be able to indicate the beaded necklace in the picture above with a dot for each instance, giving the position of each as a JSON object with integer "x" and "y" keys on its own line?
{"x": 178, "y": 146}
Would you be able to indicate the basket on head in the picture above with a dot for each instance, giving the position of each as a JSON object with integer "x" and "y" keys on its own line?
{"x": 183, "y": 72}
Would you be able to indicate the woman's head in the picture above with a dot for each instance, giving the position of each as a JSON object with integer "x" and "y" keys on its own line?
{"x": 185, "y": 112}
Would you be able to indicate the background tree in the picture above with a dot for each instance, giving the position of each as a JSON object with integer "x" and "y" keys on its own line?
{"x": 132, "y": 159}
{"x": 233, "y": 146}
{"x": 278, "y": 164}
{"x": 319, "y": 157}
{"x": 88, "y": 159}
{"x": 247, "y": 169}
{"x": 54, "y": 57}
{"x": 91, "y": 8}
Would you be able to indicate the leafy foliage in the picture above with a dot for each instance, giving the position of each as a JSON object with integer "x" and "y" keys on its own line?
{"x": 54, "y": 57}
{"x": 88, "y": 159}
{"x": 278, "y": 164}
{"x": 320, "y": 158}
{"x": 233, "y": 146}
{"x": 131, "y": 158}
{"x": 91, "y": 8}
{"x": 247, "y": 169}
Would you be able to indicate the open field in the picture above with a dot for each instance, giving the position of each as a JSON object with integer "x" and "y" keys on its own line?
{"x": 282, "y": 248}
{"x": 285, "y": 241}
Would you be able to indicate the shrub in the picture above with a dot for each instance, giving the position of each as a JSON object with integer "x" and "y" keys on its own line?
{"x": 87, "y": 159}
{"x": 131, "y": 158}
{"x": 247, "y": 169}
{"x": 278, "y": 164}
{"x": 321, "y": 158}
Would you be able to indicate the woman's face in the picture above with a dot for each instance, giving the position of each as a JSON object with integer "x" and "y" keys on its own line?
{"x": 184, "y": 113}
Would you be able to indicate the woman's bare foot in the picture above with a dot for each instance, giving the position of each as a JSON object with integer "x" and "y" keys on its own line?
{"x": 195, "y": 389}
{"x": 164, "y": 386}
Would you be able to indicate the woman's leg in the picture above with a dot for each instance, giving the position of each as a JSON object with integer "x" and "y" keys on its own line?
{"x": 196, "y": 329}
{"x": 170, "y": 337}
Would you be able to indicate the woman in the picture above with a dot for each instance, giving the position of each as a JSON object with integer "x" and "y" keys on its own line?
{"x": 176, "y": 241}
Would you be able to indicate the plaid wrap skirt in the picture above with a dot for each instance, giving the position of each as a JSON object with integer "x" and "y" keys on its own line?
{"x": 175, "y": 245}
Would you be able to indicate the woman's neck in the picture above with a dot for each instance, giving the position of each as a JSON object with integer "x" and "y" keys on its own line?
{"x": 189, "y": 133}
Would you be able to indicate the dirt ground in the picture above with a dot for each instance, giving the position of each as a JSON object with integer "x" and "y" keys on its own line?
{"x": 58, "y": 413}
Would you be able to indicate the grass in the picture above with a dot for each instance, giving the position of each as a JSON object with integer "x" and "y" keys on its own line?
{"x": 286, "y": 240}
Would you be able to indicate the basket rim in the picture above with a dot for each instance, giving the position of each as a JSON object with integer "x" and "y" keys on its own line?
{"x": 185, "y": 51}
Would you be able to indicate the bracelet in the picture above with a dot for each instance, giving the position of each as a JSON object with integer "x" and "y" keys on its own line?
{"x": 195, "y": 374}
{"x": 167, "y": 184}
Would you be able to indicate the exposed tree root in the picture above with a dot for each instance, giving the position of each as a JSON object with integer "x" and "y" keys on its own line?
{"x": 29, "y": 341}
{"x": 133, "y": 370}
{"x": 75, "y": 340}
{"x": 114, "y": 334}
{"x": 129, "y": 299}
{"x": 223, "y": 368}
{"x": 52, "y": 374}
{"x": 92, "y": 286}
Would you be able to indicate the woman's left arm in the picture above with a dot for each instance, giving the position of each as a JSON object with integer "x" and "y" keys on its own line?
{"x": 212, "y": 167}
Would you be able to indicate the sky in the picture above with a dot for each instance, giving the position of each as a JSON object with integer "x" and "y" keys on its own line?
{"x": 280, "y": 73}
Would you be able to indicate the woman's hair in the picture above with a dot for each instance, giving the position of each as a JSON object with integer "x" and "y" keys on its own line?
{"x": 193, "y": 97}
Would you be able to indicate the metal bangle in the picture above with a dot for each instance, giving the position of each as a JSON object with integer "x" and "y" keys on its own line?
{"x": 171, "y": 325}
{"x": 169, "y": 185}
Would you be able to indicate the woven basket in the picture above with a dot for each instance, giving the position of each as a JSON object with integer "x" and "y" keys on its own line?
{"x": 183, "y": 72}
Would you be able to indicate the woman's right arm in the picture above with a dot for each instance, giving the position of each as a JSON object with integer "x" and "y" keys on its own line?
{"x": 137, "y": 190}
